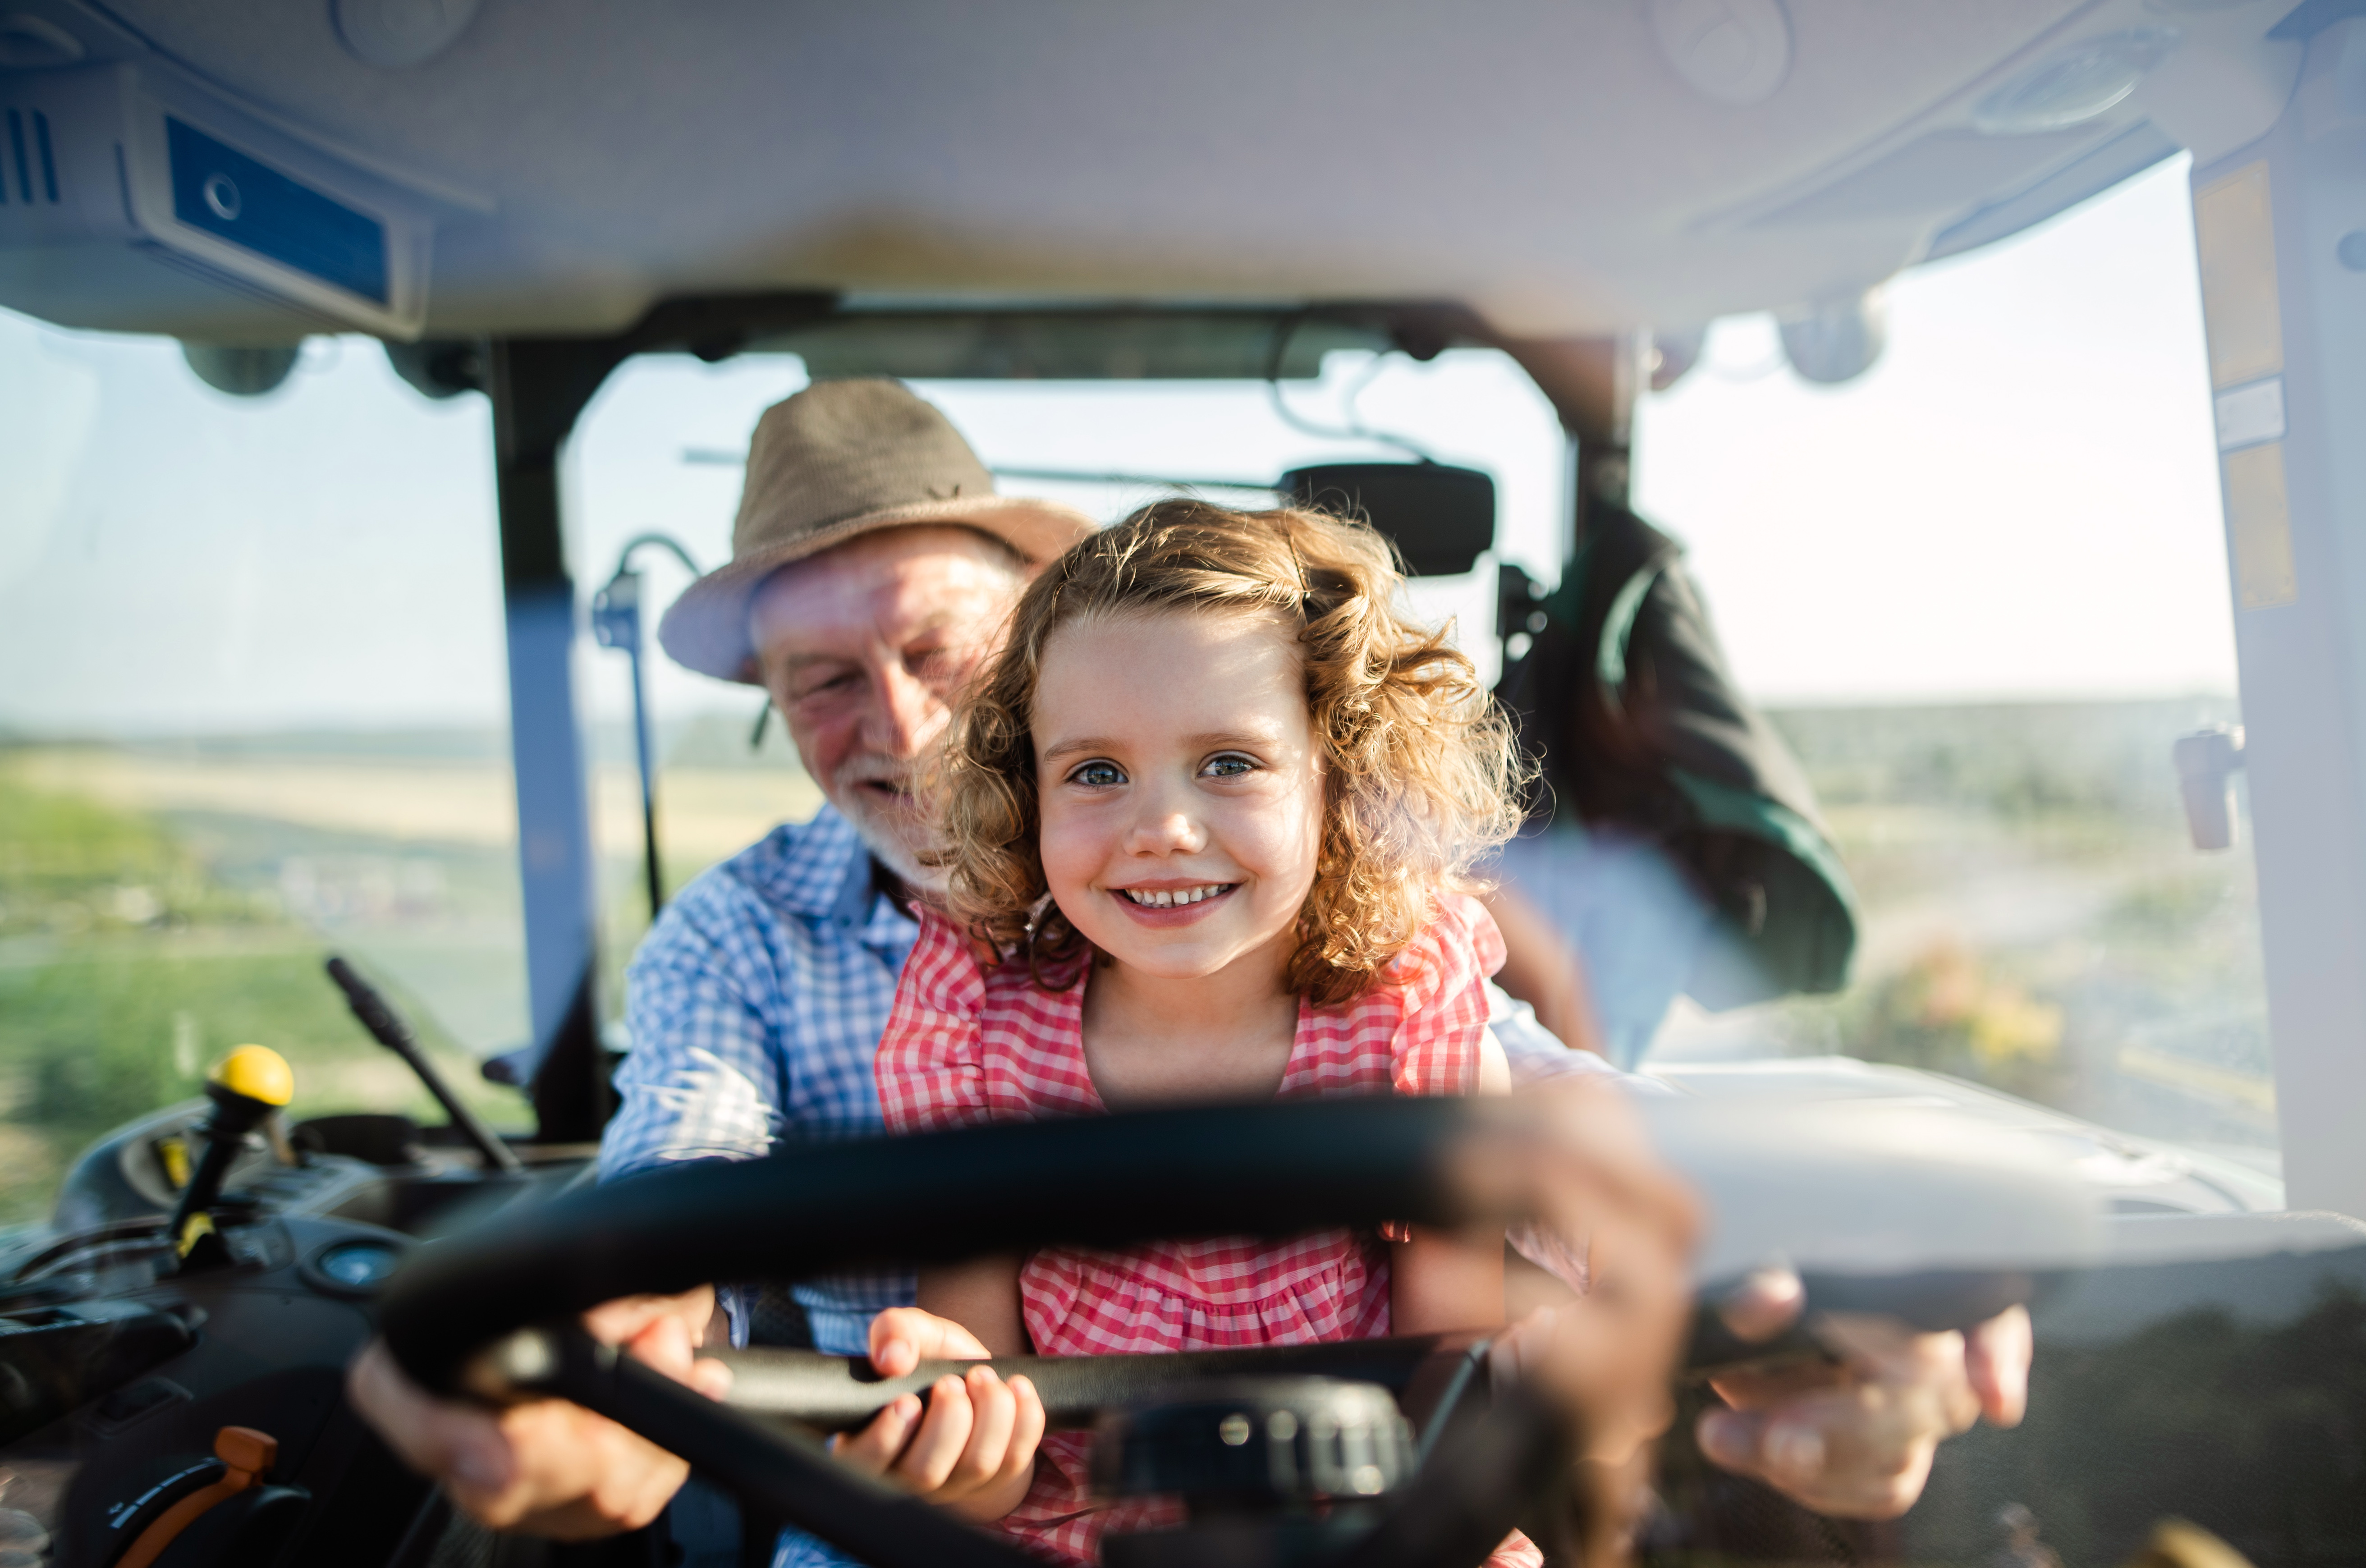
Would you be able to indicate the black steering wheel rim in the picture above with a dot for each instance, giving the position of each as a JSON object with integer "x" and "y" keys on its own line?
{"x": 491, "y": 1311}
{"x": 2005, "y": 1225}
{"x": 1274, "y": 1170}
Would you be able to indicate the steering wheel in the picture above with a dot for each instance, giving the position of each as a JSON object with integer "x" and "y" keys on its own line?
{"x": 492, "y": 1313}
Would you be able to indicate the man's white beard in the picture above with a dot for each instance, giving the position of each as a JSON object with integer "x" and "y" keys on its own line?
{"x": 884, "y": 830}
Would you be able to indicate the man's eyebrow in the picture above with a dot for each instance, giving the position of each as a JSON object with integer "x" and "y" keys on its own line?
{"x": 797, "y": 661}
{"x": 935, "y": 622}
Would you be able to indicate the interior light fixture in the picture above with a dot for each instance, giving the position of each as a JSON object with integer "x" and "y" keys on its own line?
{"x": 1735, "y": 52}
{"x": 2074, "y": 86}
{"x": 397, "y": 34}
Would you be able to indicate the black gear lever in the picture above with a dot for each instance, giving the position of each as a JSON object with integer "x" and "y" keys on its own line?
{"x": 251, "y": 1083}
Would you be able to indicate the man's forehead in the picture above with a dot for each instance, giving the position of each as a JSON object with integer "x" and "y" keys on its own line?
{"x": 891, "y": 588}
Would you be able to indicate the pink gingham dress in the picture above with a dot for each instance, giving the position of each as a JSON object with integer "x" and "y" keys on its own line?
{"x": 966, "y": 1042}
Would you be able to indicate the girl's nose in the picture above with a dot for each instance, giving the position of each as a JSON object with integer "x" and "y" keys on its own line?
{"x": 1165, "y": 832}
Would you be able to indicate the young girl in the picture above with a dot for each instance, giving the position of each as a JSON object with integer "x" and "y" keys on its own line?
{"x": 1209, "y": 818}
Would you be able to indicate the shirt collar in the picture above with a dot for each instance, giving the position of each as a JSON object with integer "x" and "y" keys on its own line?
{"x": 888, "y": 924}
{"x": 857, "y": 891}
{"x": 816, "y": 861}
{"x": 824, "y": 872}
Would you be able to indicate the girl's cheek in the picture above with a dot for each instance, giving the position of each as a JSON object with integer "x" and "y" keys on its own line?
{"x": 1066, "y": 851}
{"x": 1305, "y": 836}
{"x": 1284, "y": 840}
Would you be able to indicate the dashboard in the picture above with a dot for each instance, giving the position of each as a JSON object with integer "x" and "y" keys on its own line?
{"x": 130, "y": 1390}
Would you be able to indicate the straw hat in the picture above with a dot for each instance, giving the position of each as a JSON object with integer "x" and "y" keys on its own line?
{"x": 838, "y": 460}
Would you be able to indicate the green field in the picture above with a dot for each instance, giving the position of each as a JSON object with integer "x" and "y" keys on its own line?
{"x": 2036, "y": 918}
{"x": 129, "y": 962}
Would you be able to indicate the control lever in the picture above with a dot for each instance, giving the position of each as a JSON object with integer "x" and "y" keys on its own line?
{"x": 386, "y": 1027}
{"x": 251, "y": 1083}
{"x": 242, "y": 1456}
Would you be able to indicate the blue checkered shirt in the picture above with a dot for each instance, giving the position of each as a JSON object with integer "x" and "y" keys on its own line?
{"x": 756, "y": 1005}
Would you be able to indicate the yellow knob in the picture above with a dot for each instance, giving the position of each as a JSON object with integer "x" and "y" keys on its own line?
{"x": 259, "y": 1073}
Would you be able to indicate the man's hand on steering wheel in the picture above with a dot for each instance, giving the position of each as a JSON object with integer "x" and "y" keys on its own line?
{"x": 1855, "y": 1441}
{"x": 546, "y": 1467}
{"x": 973, "y": 1451}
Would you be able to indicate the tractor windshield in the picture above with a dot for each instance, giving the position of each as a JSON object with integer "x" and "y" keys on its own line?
{"x": 254, "y": 714}
{"x": 254, "y": 707}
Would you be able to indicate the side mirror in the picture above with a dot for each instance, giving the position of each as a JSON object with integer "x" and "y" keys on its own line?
{"x": 1442, "y": 518}
{"x": 2206, "y": 761}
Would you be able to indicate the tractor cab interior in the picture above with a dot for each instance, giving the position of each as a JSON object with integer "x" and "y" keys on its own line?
{"x": 361, "y": 356}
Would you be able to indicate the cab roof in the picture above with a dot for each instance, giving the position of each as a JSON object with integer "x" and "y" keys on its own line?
{"x": 1563, "y": 167}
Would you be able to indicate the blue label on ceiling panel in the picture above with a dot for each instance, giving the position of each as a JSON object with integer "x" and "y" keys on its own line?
{"x": 224, "y": 192}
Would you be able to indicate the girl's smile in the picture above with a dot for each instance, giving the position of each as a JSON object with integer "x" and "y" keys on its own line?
{"x": 1168, "y": 906}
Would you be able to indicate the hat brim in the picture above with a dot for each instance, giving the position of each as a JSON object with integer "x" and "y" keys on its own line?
{"x": 706, "y": 628}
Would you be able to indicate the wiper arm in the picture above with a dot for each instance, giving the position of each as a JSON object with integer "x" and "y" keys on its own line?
{"x": 386, "y": 1027}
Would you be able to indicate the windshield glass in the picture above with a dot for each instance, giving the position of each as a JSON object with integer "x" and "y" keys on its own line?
{"x": 1981, "y": 591}
{"x": 252, "y": 687}
{"x": 252, "y": 713}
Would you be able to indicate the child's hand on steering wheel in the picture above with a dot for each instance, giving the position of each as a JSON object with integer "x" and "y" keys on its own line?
{"x": 971, "y": 1447}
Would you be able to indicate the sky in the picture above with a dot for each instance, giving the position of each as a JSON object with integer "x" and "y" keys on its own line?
{"x": 2018, "y": 501}
{"x": 2021, "y": 497}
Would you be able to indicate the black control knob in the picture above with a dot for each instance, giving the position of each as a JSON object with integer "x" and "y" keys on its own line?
{"x": 1258, "y": 1445}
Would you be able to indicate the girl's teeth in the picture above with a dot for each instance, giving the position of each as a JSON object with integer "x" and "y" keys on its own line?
{"x": 1166, "y": 898}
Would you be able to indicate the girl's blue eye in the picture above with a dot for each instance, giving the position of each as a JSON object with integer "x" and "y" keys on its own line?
{"x": 1231, "y": 765}
{"x": 1097, "y": 775}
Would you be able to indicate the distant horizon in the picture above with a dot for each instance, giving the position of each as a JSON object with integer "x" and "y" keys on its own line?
{"x": 14, "y": 736}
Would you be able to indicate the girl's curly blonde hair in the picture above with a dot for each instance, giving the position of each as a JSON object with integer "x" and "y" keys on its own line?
{"x": 1423, "y": 778}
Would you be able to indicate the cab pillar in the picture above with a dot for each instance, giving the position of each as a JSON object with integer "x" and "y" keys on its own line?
{"x": 538, "y": 388}
{"x": 2280, "y": 230}
{"x": 1592, "y": 384}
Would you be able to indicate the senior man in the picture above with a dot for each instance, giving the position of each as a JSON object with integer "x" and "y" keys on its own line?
{"x": 873, "y": 567}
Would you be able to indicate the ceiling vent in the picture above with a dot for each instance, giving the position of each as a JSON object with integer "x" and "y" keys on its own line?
{"x": 30, "y": 153}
